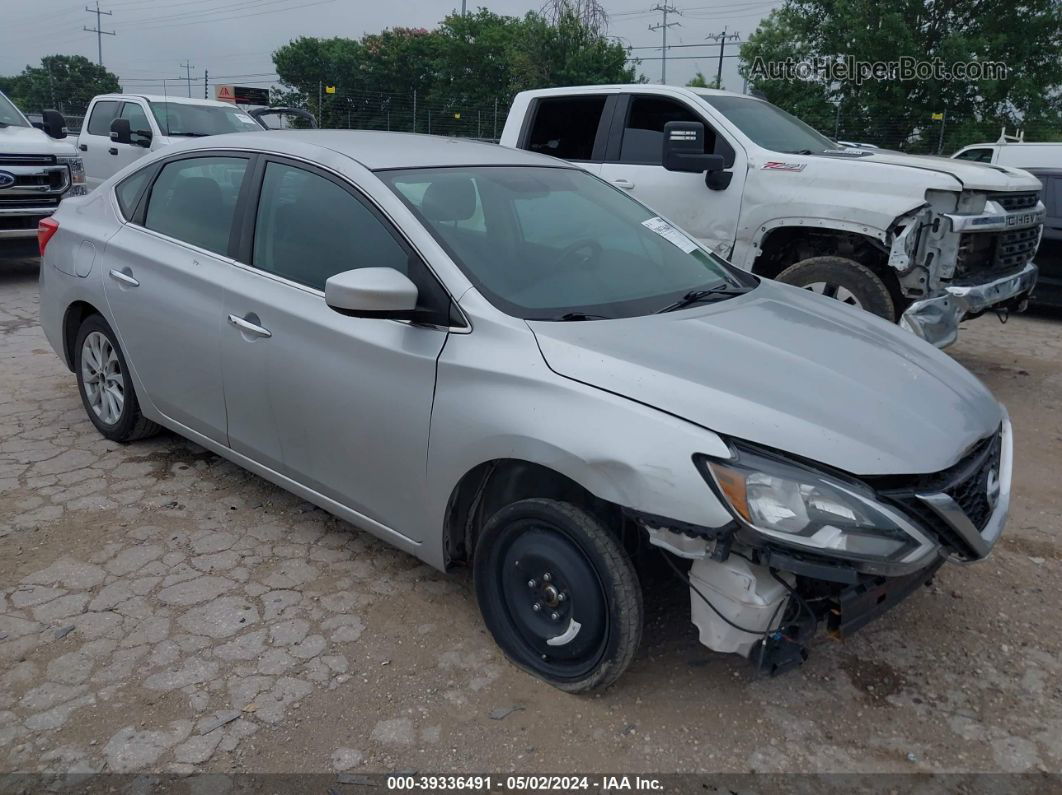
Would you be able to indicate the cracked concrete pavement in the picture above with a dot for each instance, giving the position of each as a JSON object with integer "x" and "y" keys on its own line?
{"x": 163, "y": 610}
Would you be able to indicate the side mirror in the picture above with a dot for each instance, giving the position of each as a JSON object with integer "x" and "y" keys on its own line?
{"x": 372, "y": 292}
{"x": 684, "y": 149}
{"x": 53, "y": 124}
{"x": 121, "y": 132}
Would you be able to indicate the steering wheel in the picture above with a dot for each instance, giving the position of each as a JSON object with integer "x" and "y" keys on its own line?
{"x": 591, "y": 246}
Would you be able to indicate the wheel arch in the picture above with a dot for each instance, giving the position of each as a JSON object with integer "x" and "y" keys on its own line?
{"x": 491, "y": 485}
{"x": 74, "y": 316}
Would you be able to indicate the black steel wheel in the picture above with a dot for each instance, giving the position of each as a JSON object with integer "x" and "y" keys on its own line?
{"x": 558, "y": 593}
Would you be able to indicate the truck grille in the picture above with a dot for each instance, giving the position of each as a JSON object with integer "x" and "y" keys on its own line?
{"x": 1015, "y": 201}
{"x": 26, "y": 160}
{"x": 966, "y": 482}
{"x": 995, "y": 253}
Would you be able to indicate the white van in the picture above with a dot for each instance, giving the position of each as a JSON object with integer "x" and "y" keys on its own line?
{"x": 121, "y": 128}
{"x": 1014, "y": 152}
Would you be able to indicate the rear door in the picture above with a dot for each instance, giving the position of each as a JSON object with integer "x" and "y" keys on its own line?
{"x": 165, "y": 273}
{"x": 94, "y": 141}
{"x": 339, "y": 404}
{"x": 573, "y": 128}
{"x": 633, "y": 162}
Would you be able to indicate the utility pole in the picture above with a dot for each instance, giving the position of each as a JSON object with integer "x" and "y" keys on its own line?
{"x": 100, "y": 33}
{"x": 187, "y": 67}
{"x": 664, "y": 9}
{"x": 722, "y": 38}
{"x": 464, "y": 7}
{"x": 206, "y": 89}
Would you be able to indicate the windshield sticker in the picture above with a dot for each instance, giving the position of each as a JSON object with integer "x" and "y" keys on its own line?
{"x": 670, "y": 234}
{"x": 248, "y": 120}
{"x": 778, "y": 165}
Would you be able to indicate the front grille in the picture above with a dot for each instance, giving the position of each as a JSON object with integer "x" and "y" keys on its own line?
{"x": 966, "y": 482}
{"x": 42, "y": 202}
{"x": 20, "y": 222}
{"x": 995, "y": 253}
{"x": 26, "y": 160}
{"x": 1015, "y": 201}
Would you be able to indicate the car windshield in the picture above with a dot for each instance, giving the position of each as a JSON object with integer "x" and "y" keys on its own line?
{"x": 769, "y": 126}
{"x": 559, "y": 244}
{"x": 10, "y": 115}
{"x": 179, "y": 118}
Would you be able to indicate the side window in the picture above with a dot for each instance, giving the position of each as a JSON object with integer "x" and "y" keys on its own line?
{"x": 643, "y": 134}
{"x": 976, "y": 155}
{"x": 128, "y": 191}
{"x": 567, "y": 126}
{"x": 138, "y": 122}
{"x": 103, "y": 114}
{"x": 309, "y": 228}
{"x": 194, "y": 200}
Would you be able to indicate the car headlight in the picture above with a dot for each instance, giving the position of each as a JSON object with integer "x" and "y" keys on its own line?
{"x": 802, "y": 507}
{"x": 76, "y": 166}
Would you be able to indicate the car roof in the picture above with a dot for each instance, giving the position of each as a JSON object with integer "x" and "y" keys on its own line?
{"x": 383, "y": 150}
{"x": 638, "y": 88}
{"x": 169, "y": 98}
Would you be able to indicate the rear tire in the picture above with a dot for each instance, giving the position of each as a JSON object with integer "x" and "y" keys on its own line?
{"x": 843, "y": 279}
{"x": 557, "y": 556}
{"x": 105, "y": 384}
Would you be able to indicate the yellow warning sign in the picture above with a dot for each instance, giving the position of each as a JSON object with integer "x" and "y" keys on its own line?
{"x": 330, "y": 89}
{"x": 938, "y": 117}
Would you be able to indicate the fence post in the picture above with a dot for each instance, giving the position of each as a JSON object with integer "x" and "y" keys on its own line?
{"x": 414, "y": 110}
{"x": 479, "y": 124}
{"x": 495, "y": 119}
{"x": 940, "y": 140}
{"x": 429, "y": 121}
{"x": 320, "y": 112}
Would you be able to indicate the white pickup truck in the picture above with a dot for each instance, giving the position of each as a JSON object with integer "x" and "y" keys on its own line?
{"x": 121, "y": 128}
{"x": 37, "y": 170}
{"x": 923, "y": 241}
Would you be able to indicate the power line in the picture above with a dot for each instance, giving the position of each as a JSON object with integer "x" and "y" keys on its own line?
{"x": 663, "y": 26}
{"x": 100, "y": 33}
{"x": 187, "y": 74}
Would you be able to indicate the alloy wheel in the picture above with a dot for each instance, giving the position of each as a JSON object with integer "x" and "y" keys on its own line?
{"x": 830, "y": 290}
{"x": 101, "y": 373}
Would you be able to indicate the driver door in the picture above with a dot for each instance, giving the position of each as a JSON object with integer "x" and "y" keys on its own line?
{"x": 633, "y": 162}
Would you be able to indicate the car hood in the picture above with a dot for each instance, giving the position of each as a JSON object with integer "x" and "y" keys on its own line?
{"x": 790, "y": 370}
{"x": 31, "y": 141}
{"x": 972, "y": 176}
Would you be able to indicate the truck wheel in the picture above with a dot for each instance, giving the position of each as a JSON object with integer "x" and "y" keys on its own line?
{"x": 844, "y": 279}
{"x": 105, "y": 386}
{"x": 558, "y": 593}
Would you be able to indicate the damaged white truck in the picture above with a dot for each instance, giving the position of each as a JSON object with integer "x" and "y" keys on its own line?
{"x": 921, "y": 241}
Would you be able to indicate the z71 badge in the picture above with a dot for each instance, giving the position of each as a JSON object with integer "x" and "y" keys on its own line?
{"x": 778, "y": 165}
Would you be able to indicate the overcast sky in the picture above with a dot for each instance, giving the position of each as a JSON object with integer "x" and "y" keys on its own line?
{"x": 234, "y": 39}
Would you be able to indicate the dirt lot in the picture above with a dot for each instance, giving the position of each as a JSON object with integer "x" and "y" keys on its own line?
{"x": 161, "y": 609}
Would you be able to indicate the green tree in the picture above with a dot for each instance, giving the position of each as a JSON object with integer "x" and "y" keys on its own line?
{"x": 700, "y": 81}
{"x": 567, "y": 53}
{"x": 1026, "y": 37}
{"x": 63, "y": 82}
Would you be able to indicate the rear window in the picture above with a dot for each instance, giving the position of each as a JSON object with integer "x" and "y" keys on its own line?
{"x": 103, "y": 114}
{"x": 976, "y": 155}
{"x": 566, "y": 127}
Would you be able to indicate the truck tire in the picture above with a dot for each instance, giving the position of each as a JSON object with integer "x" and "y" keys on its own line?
{"x": 558, "y": 593}
{"x": 845, "y": 280}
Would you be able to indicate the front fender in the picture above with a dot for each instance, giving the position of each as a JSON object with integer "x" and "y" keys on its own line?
{"x": 491, "y": 404}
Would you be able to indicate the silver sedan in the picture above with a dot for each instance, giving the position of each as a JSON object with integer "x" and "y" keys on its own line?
{"x": 493, "y": 358}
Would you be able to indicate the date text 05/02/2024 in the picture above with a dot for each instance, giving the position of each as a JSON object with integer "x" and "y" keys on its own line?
{"x": 517, "y": 783}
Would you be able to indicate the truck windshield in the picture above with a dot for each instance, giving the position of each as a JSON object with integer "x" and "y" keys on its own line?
{"x": 770, "y": 126}
{"x": 10, "y": 115}
{"x": 180, "y": 118}
{"x": 548, "y": 243}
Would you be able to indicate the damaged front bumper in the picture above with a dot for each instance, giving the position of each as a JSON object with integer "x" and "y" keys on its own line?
{"x": 936, "y": 320}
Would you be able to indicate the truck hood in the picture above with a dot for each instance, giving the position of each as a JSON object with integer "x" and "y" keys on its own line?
{"x": 971, "y": 176}
{"x": 790, "y": 370}
{"x": 31, "y": 141}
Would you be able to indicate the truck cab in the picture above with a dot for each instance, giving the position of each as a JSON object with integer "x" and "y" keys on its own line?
{"x": 119, "y": 129}
{"x": 38, "y": 169}
{"x": 922, "y": 241}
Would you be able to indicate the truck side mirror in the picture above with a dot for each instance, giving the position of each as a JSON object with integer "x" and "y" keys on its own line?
{"x": 53, "y": 124}
{"x": 684, "y": 149}
{"x": 121, "y": 133}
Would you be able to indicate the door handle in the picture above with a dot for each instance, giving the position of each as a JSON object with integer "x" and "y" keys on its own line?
{"x": 626, "y": 184}
{"x": 124, "y": 278}
{"x": 113, "y": 150}
{"x": 83, "y": 147}
{"x": 249, "y": 327}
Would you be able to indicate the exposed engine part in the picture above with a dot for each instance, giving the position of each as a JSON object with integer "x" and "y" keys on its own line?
{"x": 744, "y": 594}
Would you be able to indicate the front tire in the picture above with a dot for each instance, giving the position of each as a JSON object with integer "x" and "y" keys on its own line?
{"x": 105, "y": 385}
{"x": 843, "y": 279}
{"x": 558, "y": 593}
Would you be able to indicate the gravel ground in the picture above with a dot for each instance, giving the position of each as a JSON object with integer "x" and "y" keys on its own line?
{"x": 163, "y": 610}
